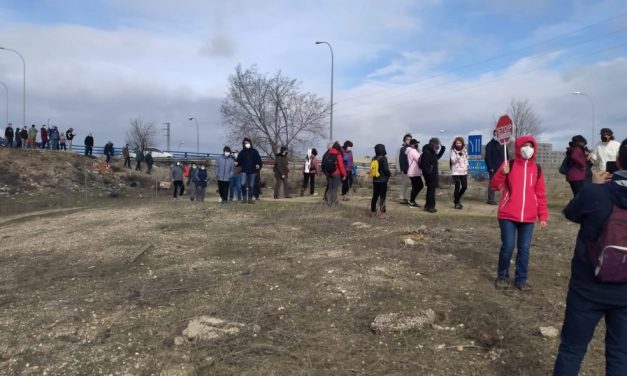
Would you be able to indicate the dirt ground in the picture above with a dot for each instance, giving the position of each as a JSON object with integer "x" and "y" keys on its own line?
{"x": 296, "y": 283}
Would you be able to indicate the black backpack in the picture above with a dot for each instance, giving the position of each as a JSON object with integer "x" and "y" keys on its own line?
{"x": 565, "y": 165}
{"x": 329, "y": 163}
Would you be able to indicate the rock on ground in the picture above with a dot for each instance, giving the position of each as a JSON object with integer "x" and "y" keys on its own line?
{"x": 204, "y": 328}
{"x": 402, "y": 321}
{"x": 549, "y": 332}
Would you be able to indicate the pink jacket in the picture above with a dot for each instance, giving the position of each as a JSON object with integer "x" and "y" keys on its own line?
{"x": 413, "y": 156}
{"x": 459, "y": 163}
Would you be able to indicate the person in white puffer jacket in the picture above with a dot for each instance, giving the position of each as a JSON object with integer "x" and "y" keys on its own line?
{"x": 459, "y": 170}
{"x": 606, "y": 150}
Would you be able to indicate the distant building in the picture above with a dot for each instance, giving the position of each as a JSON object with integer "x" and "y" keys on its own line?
{"x": 547, "y": 157}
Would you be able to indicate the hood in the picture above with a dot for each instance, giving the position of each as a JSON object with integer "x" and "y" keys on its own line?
{"x": 520, "y": 141}
{"x": 427, "y": 148}
{"x": 246, "y": 139}
{"x": 618, "y": 188}
{"x": 379, "y": 149}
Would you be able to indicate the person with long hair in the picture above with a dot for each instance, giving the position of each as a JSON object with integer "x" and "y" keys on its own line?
{"x": 459, "y": 170}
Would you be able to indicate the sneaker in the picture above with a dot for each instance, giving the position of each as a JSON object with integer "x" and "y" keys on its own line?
{"x": 431, "y": 210}
{"x": 491, "y": 202}
{"x": 344, "y": 198}
{"x": 458, "y": 206}
{"x": 501, "y": 284}
{"x": 383, "y": 210}
{"x": 525, "y": 286}
{"x": 404, "y": 202}
{"x": 413, "y": 205}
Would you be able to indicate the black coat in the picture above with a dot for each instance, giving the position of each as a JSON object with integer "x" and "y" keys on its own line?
{"x": 494, "y": 157}
{"x": 384, "y": 168}
{"x": 8, "y": 133}
{"x": 89, "y": 141}
{"x": 429, "y": 161}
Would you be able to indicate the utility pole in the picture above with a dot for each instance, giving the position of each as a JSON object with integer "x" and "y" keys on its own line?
{"x": 167, "y": 135}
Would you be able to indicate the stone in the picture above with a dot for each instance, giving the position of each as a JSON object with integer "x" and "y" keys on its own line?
{"x": 410, "y": 241}
{"x": 205, "y": 328}
{"x": 402, "y": 321}
{"x": 549, "y": 332}
{"x": 178, "y": 340}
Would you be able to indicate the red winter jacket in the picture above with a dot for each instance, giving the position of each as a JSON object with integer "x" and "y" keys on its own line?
{"x": 340, "y": 170}
{"x": 524, "y": 192}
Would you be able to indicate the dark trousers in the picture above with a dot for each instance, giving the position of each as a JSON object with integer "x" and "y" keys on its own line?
{"x": 576, "y": 186}
{"x": 432, "y": 183}
{"x": 62, "y": 146}
{"x": 223, "y": 189}
{"x": 347, "y": 183}
{"x": 179, "y": 188}
{"x": 461, "y": 184}
{"x": 580, "y": 320}
{"x": 9, "y": 142}
{"x": 88, "y": 150}
{"x": 416, "y": 187}
{"x": 308, "y": 179}
{"x": 379, "y": 192}
{"x": 138, "y": 166}
{"x": 44, "y": 144}
{"x": 127, "y": 162}
{"x": 149, "y": 168}
{"x": 330, "y": 195}
{"x": 491, "y": 193}
{"x": 108, "y": 157}
{"x": 281, "y": 184}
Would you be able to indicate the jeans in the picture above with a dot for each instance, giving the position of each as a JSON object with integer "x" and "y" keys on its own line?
{"x": 235, "y": 186}
{"x": 63, "y": 146}
{"x": 461, "y": 184}
{"x": 88, "y": 150}
{"x": 379, "y": 192}
{"x": 223, "y": 189}
{"x": 192, "y": 190}
{"x": 509, "y": 237}
{"x": 580, "y": 320}
{"x": 308, "y": 179}
{"x": 576, "y": 186}
{"x": 200, "y": 192}
{"x": 333, "y": 184}
{"x": 416, "y": 187}
{"x": 347, "y": 183}
{"x": 248, "y": 185}
{"x": 54, "y": 144}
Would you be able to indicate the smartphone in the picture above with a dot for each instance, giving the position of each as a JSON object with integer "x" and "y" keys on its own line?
{"x": 611, "y": 167}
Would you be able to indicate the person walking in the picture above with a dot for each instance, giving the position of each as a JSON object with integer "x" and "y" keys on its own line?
{"x": 333, "y": 168}
{"x": 44, "y": 137}
{"x": 413, "y": 171}
{"x": 380, "y": 174}
{"x": 32, "y": 137}
{"x": 459, "y": 170}
{"x": 176, "y": 175}
{"x": 249, "y": 161}
{"x": 601, "y": 211}
{"x": 577, "y": 163}
{"x": 139, "y": 158}
{"x": 127, "y": 156}
{"x": 149, "y": 162}
{"x": 89, "y": 145}
{"x": 281, "y": 172}
{"x": 201, "y": 181}
{"x": 431, "y": 153}
{"x": 109, "y": 151}
{"x": 523, "y": 203}
{"x": 494, "y": 158}
{"x": 9, "y": 133}
{"x": 62, "y": 141}
{"x": 225, "y": 168}
{"x": 69, "y": 136}
{"x": 347, "y": 156}
{"x": 190, "y": 181}
{"x": 311, "y": 168}
{"x": 401, "y": 170}
{"x": 235, "y": 181}
{"x": 606, "y": 150}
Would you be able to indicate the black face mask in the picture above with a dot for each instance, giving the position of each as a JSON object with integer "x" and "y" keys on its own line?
{"x": 605, "y": 138}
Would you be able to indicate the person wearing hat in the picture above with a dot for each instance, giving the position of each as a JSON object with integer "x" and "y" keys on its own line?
{"x": 414, "y": 172}
{"x": 281, "y": 171}
{"x": 606, "y": 150}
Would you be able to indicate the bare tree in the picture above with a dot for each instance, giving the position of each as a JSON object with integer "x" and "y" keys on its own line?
{"x": 526, "y": 121}
{"x": 272, "y": 111}
{"x": 141, "y": 135}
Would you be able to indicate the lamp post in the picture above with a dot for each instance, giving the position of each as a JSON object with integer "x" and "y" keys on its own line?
{"x": 179, "y": 147}
{"x": 331, "y": 122}
{"x": 197, "y": 134}
{"x": 23, "y": 82}
{"x": 6, "y": 90}
{"x": 592, "y": 104}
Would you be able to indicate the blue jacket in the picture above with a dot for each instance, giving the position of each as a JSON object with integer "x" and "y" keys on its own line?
{"x": 225, "y": 168}
{"x": 248, "y": 159}
{"x": 591, "y": 208}
{"x": 494, "y": 157}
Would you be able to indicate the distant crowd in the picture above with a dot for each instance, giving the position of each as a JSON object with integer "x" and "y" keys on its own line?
{"x": 42, "y": 138}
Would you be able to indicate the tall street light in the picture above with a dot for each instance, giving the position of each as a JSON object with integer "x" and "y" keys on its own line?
{"x": 23, "y": 83}
{"x": 197, "y": 134}
{"x": 592, "y": 104}
{"x": 331, "y": 122}
{"x": 6, "y": 90}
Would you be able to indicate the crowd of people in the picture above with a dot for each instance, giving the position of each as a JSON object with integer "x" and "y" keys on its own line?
{"x": 43, "y": 138}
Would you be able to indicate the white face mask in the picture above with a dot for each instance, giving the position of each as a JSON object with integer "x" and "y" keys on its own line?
{"x": 226, "y": 153}
{"x": 202, "y": 168}
{"x": 247, "y": 146}
{"x": 526, "y": 152}
{"x": 348, "y": 148}
{"x": 235, "y": 155}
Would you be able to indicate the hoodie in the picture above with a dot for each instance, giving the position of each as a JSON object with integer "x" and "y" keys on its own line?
{"x": 384, "y": 168}
{"x": 591, "y": 208}
{"x": 524, "y": 193}
{"x": 429, "y": 161}
{"x": 249, "y": 159}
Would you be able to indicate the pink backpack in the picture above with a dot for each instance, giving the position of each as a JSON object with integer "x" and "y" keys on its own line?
{"x": 609, "y": 254}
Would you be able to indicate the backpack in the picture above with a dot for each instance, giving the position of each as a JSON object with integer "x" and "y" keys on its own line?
{"x": 564, "y": 166}
{"x": 374, "y": 169}
{"x": 609, "y": 254}
{"x": 329, "y": 163}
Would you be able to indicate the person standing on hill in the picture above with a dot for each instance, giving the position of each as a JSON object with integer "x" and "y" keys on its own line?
{"x": 250, "y": 162}
{"x": 380, "y": 174}
{"x": 494, "y": 158}
{"x": 413, "y": 171}
{"x": 69, "y": 136}
{"x": 176, "y": 174}
{"x": 44, "y": 137}
{"x": 127, "y": 156}
{"x": 235, "y": 181}
{"x": 108, "y": 151}
{"x": 139, "y": 158}
{"x": 523, "y": 203}
{"x": 311, "y": 168}
{"x": 225, "y": 167}
{"x": 190, "y": 181}
{"x": 577, "y": 163}
{"x": 53, "y": 136}
{"x": 62, "y": 141}
{"x": 281, "y": 171}
{"x": 606, "y": 150}
{"x": 89, "y": 145}
{"x": 32, "y": 137}
{"x": 431, "y": 153}
{"x": 459, "y": 170}
{"x": 149, "y": 162}
{"x": 24, "y": 137}
{"x": 9, "y": 134}
{"x": 401, "y": 170}
{"x": 333, "y": 168}
{"x": 347, "y": 156}
{"x": 601, "y": 211}
{"x": 201, "y": 179}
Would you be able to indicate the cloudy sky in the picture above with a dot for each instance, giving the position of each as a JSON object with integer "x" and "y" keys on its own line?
{"x": 431, "y": 67}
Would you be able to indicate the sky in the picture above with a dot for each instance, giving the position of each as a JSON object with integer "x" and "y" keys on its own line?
{"x": 429, "y": 67}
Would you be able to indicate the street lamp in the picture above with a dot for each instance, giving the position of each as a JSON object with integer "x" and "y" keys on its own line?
{"x": 197, "y": 134}
{"x": 180, "y": 143}
{"x": 592, "y": 104}
{"x": 6, "y": 90}
{"x": 331, "y": 122}
{"x": 23, "y": 82}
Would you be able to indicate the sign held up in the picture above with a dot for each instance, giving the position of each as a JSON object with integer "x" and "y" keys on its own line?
{"x": 504, "y": 129}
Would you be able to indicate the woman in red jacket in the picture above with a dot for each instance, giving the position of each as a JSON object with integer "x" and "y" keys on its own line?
{"x": 523, "y": 202}
{"x": 576, "y": 153}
